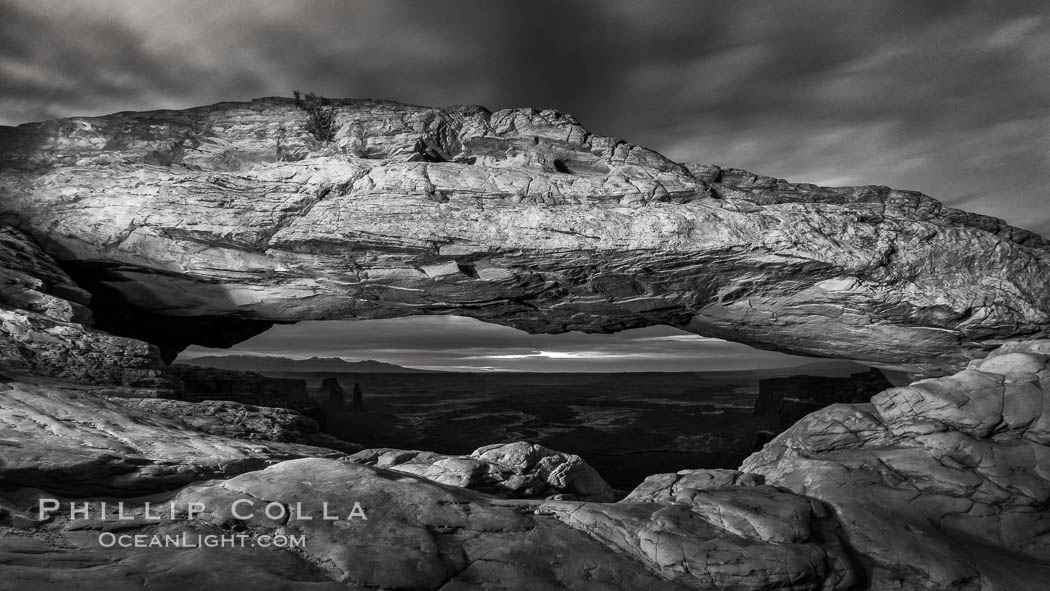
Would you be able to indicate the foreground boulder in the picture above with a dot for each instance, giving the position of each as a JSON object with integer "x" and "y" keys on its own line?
{"x": 518, "y": 217}
{"x": 519, "y": 470}
{"x": 942, "y": 484}
{"x": 389, "y": 530}
{"x": 753, "y": 538}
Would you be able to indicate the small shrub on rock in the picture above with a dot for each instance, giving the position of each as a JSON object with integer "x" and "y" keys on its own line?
{"x": 320, "y": 119}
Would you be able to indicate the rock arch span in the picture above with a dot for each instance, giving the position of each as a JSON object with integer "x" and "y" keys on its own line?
{"x": 207, "y": 225}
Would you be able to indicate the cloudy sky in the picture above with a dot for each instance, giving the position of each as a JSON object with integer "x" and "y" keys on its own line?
{"x": 949, "y": 98}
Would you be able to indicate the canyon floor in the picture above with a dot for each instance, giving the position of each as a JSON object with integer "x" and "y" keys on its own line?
{"x": 627, "y": 426}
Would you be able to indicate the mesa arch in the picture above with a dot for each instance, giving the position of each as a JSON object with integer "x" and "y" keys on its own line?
{"x": 207, "y": 225}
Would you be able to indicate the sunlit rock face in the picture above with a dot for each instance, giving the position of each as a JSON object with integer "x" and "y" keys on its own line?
{"x": 206, "y": 225}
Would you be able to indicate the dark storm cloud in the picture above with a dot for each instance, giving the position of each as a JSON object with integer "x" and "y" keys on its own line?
{"x": 61, "y": 59}
{"x": 952, "y": 99}
{"x": 455, "y": 343}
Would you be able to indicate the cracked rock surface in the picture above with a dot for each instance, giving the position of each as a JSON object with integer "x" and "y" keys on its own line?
{"x": 942, "y": 484}
{"x": 733, "y": 538}
{"x": 206, "y": 225}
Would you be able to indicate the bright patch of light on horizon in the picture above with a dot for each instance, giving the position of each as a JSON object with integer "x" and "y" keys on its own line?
{"x": 566, "y": 355}
{"x": 688, "y": 338}
{"x": 467, "y": 368}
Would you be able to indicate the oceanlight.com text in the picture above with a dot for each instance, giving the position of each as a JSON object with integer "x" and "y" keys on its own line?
{"x": 185, "y": 540}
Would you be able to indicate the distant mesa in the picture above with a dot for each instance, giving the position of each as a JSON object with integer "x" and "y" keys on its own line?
{"x": 793, "y": 397}
{"x": 357, "y": 402}
{"x": 832, "y": 368}
{"x": 276, "y": 364}
{"x": 332, "y": 393}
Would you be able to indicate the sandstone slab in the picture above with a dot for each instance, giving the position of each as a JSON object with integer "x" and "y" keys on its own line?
{"x": 668, "y": 488}
{"x": 242, "y": 421}
{"x": 73, "y": 441}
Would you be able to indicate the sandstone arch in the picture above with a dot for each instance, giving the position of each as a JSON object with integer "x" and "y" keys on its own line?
{"x": 247, "y": 221}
